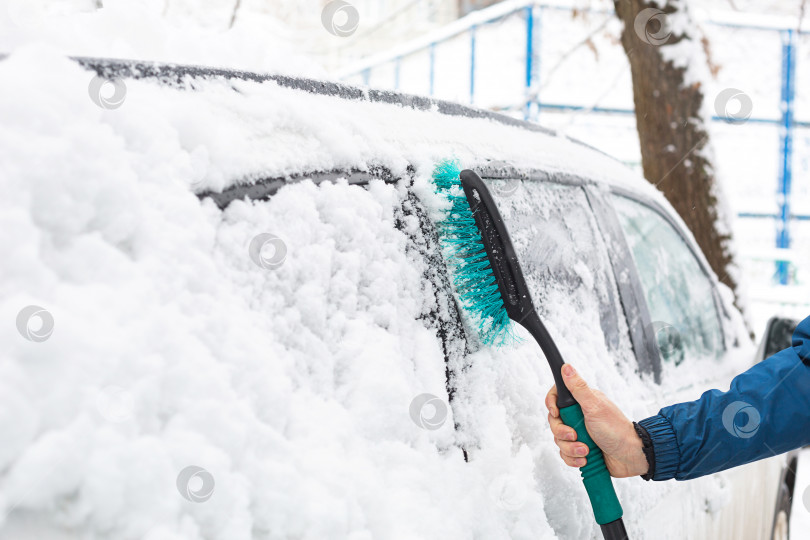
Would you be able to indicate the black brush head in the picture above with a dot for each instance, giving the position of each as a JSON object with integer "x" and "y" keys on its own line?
{"x": 511, "y": 284}
{"x": 502, "y": 256}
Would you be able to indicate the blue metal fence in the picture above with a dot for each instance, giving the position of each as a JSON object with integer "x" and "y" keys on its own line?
{"x": 786, "y": 149}
{"x": 530, "y": 59}
{"x": 532, "y": 12}
{"x": 472, "y": 63}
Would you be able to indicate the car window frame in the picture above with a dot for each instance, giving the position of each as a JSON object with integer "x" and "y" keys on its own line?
{"x": 634, "y": 303}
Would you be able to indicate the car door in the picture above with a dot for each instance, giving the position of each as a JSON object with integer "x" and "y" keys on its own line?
{"x": 682, "y": 302}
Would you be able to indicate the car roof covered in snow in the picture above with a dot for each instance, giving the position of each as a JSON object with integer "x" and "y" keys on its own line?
{"x": 279, "y": 126}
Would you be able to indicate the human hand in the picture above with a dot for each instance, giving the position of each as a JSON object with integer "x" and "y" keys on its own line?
{"x": 606, "y": 424}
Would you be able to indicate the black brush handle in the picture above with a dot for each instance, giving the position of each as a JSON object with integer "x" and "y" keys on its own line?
{"x": 605, "y": 504}
{"x": 614, "y": 530}
{"x": 537, "y": 329}
{"x": 519, "y": 307}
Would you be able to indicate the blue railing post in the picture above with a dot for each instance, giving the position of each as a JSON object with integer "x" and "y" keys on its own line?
{"x": 529, "y": 58}
{"x": 537, "y": 48}
{"x": 472, "y": 64}
{"x": 786, "y": 149}
{"x": 366, "y": 76}
{"x": 432, "y": 66}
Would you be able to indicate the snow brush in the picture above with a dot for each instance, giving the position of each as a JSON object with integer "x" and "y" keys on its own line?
{"x": 490, "y": 285}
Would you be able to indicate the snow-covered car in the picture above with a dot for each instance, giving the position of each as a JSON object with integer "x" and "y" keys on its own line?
{"x": 249, "y": 293}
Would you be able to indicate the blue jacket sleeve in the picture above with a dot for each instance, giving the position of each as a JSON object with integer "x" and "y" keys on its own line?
{"x": 765, "y": 412}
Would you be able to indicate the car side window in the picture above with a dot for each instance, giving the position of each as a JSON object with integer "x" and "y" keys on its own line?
{"x": 679, "y": 294}
{"x": 566, "y": 263}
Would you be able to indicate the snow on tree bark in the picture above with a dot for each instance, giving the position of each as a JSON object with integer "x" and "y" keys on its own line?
{"x": 670, "y": 67}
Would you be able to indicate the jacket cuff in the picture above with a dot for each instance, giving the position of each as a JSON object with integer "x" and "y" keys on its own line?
{"x": 665, "y": 446}
{"x": 647, "y": 448}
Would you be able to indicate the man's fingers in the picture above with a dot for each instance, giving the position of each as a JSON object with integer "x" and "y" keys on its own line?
{"x": 560, "y": 430}
{"x": 572, "y": 453}
{"x": 572, "y": 449}
{"x": 586, "y": 397}
{"x": 573, "y": 462}
{"x": 551, "y": 401}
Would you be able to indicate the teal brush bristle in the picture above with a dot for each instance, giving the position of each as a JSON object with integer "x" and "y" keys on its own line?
{"x": 473, "y": 278}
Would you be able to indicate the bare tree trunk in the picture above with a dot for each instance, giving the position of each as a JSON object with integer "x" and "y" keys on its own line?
{"x": 675, "y": 150}
{"x": 233, "y": 15}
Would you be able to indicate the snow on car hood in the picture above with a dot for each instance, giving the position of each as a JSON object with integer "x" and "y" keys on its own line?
{"x": 186, "y": 392}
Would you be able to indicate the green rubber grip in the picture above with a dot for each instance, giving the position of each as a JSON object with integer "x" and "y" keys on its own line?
{"x": 595, "y": 476}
